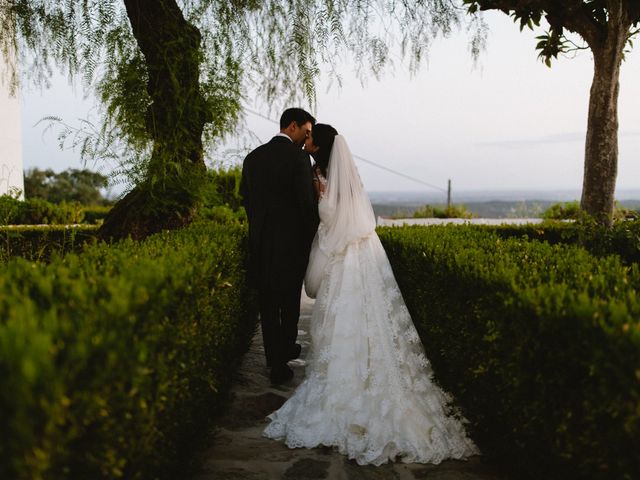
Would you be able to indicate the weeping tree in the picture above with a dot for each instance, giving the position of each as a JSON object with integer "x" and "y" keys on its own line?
{"x": 606, "y": 27}
{"x": 145, "y": 61}
{"x": 171, "y": 75}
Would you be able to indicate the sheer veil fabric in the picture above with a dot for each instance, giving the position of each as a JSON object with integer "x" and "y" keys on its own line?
{"x": 345, "y": 212}
{"x": 369, "y": 389}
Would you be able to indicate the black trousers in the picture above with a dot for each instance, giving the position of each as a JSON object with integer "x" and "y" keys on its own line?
{"x": 279, "y": 314}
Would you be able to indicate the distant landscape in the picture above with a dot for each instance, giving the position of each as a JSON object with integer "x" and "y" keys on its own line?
{"x": 488, "y": 204}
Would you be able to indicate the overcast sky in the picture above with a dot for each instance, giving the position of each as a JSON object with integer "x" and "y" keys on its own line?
{"x": 508, "y": 123}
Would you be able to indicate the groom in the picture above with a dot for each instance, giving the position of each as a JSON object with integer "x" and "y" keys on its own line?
{"x": 278, "y": 195}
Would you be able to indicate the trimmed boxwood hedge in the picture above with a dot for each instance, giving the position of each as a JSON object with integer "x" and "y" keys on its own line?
{"x": 95, "y": 214}
{"x": 37, "y": 211}
{"x": 539, "y": 343}
{"x": 623, "y": 239}
{"x": 41, "y": 242}
{"x": 113, "y": 362}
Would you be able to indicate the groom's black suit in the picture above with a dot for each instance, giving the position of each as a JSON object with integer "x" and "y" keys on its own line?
{"x": 278, "y": 195}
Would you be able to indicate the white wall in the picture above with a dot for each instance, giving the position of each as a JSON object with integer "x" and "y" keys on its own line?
{"x": 11, "y": 174}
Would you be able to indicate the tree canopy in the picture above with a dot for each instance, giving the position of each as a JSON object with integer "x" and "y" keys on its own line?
{"x": 590, "y": 19}
{"x": 172, "y": 74}
{"x": 607, "y": 28}
{"x": 71, "y": 185}
{"x": 274, "y": 49}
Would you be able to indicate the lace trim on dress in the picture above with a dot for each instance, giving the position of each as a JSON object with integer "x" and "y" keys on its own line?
{"x": 320, "y": 182}
{"x": 369, "y": 388}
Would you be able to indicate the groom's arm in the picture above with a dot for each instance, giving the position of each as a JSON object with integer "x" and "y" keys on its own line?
{"x": 245, "y": 186}
{"x": 303, "y": 185}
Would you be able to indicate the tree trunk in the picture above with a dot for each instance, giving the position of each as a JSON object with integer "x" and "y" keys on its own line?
{"x": 601, "y": 151}
{"x": 175, "y": 121}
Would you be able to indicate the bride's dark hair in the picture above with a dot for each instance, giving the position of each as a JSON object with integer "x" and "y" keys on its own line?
{"x": 323, "y": 136}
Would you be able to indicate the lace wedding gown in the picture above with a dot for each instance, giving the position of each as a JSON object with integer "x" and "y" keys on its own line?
{"x": 369, "y": 388}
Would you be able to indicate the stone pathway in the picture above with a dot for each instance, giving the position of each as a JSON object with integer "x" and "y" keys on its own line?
{"x": 239, "y": 452}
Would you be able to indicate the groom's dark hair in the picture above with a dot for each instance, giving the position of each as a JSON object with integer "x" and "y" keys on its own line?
{"x": 297, "y": 115}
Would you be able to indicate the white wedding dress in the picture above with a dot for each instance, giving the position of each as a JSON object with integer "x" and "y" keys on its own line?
{"x": 369, "y": 388}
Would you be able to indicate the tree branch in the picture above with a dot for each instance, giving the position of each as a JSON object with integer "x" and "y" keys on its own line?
{"x": 576, "y": 17}
{"x": 572, "y": 15}
{"x": 575, "y": 46}
{"x": 633, "y": 11}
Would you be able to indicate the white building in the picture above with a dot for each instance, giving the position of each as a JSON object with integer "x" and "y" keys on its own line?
{"x": 11, "y": 173}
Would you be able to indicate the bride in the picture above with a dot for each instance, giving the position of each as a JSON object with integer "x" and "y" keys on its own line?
{"x": 369, "y": 389}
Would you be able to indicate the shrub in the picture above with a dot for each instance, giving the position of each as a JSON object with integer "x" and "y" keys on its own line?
{"x": 623, "y": 213}
{"x": 222, "y": 202}
{"x": 454, "y": 211}
{"x": 10, "y": 209}
{"x": 566, "y": 211}
{"x": 41, "y": 212}
{"x": 222, "y": 214}
{"x": 539, "y": 343}
{"x": 95, "y": 214}
{"x": 622, "y": 239}
{"x": 224, "y": 188}
{"x": 36, "y": 211}
{"x": 113, "y": 362}
{"x": 43, "y": 242}
{"x": 572, "y": 211}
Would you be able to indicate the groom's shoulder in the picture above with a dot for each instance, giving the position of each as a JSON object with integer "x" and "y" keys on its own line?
{"x": 274, "y": 143}
{"x": 259, "y": 151}
{"x": 277, "y": 146}
{"x": 278, "y": 150}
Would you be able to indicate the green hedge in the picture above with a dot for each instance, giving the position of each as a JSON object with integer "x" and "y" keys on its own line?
{"x": 224, "y": 188}
{"x": 539, "y": 343}
{"x": 623, "y": 239}
{"x": 442, "y": 211}
{"x": 95, "y": 214}
{"x": 221, "y": 202}
{"x": 113, "y": 362}
{"x": 36, "y": 211}
{"x": 41, "y": 242}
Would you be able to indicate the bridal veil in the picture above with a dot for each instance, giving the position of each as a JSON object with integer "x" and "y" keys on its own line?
{"x": 345, "y": 212}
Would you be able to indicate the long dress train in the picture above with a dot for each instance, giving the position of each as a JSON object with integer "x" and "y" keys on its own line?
{"x": 369, "y": 389}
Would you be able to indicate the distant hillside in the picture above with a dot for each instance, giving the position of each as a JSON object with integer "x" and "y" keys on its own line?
{"x": 482, "y": 209}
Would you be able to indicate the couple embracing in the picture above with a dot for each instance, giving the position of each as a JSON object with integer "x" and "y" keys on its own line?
{"x": 368, "y": 389}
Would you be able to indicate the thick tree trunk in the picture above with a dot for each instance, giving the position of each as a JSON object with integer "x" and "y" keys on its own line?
{"x": 175, "y": 122}
{"x": 601, "y": 150}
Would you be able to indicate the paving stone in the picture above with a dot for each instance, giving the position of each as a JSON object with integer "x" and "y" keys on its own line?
{"x": 252, "y": 446}
{"x": 324, "y": 450}
{"x": 239, "y": 452}
{"x": 471, "y": 469}
{"x": 370, "y": 472}
{"x": 452, "y": 475}
{"x": 246, "y": 411}
{"x": 307, "y": 469}
{"x": 235, "y": 474}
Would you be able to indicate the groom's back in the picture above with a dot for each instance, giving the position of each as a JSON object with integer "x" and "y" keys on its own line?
{"x": 268, "y": 172}
{"x": 278, "y": 196}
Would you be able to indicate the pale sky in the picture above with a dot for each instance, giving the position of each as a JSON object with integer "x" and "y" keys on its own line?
{"x": 508, "y": 123}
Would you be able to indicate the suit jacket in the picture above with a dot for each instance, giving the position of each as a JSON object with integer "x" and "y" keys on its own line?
{"x": 278, "y": 195}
